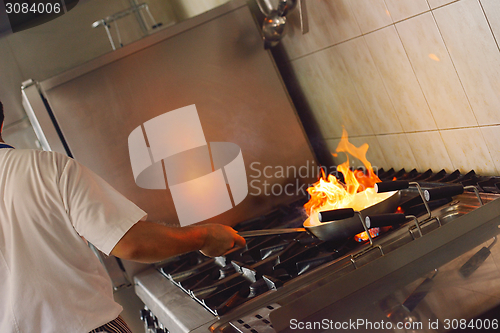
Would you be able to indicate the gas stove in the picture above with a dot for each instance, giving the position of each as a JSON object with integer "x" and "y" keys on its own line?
{"x": 296, "y": 281}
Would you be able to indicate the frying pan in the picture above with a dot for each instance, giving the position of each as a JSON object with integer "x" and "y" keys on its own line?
{"x": 343, "y": 223}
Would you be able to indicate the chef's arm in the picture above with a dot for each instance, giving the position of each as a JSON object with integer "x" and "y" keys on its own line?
{"x": 150, "y": 242}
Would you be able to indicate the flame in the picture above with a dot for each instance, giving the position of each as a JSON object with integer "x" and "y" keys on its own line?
{"x": 363, "y": 180}
{"x": 363, "y": 237}
{"x": 355, "y": 192}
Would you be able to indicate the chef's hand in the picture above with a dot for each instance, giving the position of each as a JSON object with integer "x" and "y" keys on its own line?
{"x": 150, "y": 242}
{"x": 220, "y": 239}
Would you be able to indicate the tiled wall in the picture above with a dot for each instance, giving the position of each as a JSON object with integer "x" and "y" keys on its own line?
{"x": 418, "y": 80}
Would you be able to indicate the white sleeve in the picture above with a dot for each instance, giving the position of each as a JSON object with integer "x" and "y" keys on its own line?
{"x": 97, "y": 211}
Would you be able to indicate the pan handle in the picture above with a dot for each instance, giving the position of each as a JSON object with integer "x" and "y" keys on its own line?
{"x": 391, "y": 186}
{"x": 443, "y": 192}
{"x": 269, "y": 232}
{"x": 384, "y": 220}
{"x": 335, "y": 214}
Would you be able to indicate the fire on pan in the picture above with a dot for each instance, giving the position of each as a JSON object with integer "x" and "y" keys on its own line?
{"x": 356, "y": 191}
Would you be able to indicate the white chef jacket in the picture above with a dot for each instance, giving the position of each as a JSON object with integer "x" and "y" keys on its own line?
{"x": 50, "y": 280}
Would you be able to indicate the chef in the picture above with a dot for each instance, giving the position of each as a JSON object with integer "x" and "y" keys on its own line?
{"x": 51, "y": 281}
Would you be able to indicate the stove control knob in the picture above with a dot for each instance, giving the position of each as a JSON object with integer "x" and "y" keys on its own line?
{"x": 144, "y": 314}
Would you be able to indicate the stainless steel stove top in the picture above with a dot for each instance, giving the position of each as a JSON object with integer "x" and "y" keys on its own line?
{"x": 343, "y": 283}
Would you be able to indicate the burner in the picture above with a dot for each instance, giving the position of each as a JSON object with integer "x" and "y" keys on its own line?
{"x": 275, "y": 267}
